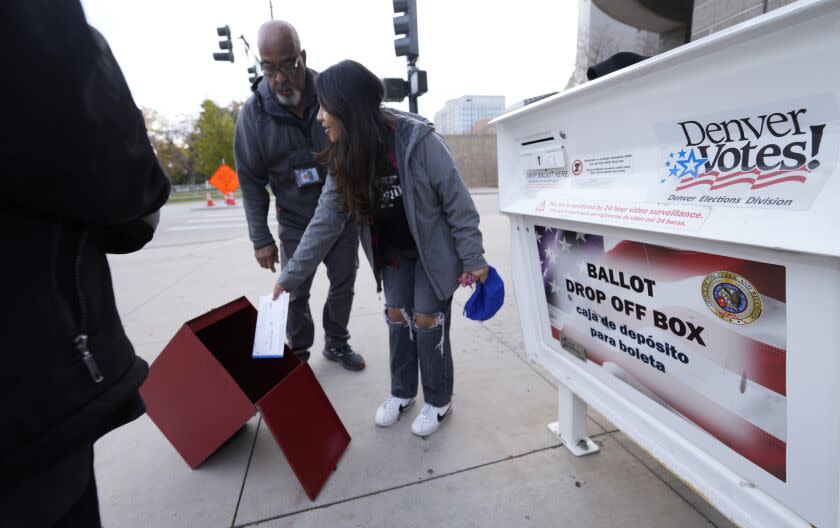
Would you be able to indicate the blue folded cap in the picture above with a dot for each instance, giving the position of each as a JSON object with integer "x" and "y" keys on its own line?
{"x": 487, "y": 298}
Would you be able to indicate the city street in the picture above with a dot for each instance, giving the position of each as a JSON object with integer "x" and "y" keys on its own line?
{"x": 494, "y": 463}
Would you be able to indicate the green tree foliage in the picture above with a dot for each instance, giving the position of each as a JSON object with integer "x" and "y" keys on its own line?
{"x": 190, "y": 149}
{"x": 212, "y": 138}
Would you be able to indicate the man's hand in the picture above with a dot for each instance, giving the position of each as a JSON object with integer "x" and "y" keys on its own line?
{"x": 267, "y": 256}
{"x": 278, "y": 289}
{"x": 468, "y": 278}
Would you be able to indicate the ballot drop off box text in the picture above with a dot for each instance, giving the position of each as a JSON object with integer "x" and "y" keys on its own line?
{"x": 676, "y": 259}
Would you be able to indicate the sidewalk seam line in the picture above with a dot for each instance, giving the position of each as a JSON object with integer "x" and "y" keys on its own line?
{"x": 161, "y": 292}
{"x": 400, "y": 486}
{"x": 247, "y": 468}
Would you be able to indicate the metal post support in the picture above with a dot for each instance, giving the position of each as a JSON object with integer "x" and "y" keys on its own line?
{"x": 412, "y": 97}
{"x": 571, "y": 425}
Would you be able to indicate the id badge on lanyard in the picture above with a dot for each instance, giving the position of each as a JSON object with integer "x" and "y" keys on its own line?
{"x": 307, "y": 176}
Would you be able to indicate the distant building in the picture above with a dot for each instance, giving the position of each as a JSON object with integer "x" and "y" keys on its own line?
{"x": 459, "y": 116}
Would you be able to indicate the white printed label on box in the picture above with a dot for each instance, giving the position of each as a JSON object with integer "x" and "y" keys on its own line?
{"x": 772, "y": 156}
{"x": 601, "y": 169}
{"x": 679, "y": 217}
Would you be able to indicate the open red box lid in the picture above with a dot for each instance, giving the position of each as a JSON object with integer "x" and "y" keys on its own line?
{"x": 205, "y": 386}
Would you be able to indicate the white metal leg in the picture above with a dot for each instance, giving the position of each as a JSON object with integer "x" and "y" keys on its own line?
{"x": 571, "y": 425}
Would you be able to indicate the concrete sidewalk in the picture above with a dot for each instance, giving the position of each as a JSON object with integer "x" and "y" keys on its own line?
{"x": 494, "y": 463}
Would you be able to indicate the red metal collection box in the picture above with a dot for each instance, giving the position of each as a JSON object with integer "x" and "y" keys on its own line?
{"x": 205, "y": 385}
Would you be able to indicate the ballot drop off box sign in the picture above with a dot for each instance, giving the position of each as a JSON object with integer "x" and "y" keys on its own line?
{"x": 204, "y": 386}
{"x": 676, "y": 257}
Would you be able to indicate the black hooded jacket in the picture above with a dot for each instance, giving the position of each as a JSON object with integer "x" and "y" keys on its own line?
{"x": 80, "y": 176}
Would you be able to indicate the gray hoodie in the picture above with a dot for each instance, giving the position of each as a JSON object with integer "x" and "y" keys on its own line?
{"x": 440, "y": 212}
{"x": 269, "y": 143}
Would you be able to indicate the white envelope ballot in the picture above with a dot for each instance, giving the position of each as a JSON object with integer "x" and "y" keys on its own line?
{"x": 270, "y": 334}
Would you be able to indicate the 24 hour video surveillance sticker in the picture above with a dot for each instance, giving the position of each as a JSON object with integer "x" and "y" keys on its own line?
{"x": 775, "y": 156}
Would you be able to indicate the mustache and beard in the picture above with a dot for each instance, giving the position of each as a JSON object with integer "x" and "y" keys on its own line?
{"x": 291, "y": 100}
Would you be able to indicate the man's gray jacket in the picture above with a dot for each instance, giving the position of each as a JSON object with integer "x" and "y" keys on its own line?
{"x": 440, "y": 212}
{"x": 269, "y": 143}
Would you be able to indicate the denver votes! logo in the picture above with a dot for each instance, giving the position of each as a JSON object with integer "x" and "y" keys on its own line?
{"x": 731, "y": 297}
{"x": 752, "y": 152}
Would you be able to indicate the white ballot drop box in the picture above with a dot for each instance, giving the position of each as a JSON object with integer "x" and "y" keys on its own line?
{"x": 676, "y": 259}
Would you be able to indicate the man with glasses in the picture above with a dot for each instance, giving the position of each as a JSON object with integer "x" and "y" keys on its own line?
{"x": 276, "y": 137}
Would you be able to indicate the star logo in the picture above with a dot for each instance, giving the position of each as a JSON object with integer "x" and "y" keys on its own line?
{"x": 691, "y": 165}
{"x": 682, "y": 153}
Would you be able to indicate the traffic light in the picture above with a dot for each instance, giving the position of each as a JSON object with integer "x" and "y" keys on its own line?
{"x": 417, "y": 83}
{"x": 226, "y": 44}
{"x": 395, "y": 89}
{"x": 406, "y": 45}
{"x": 252, "y": 74}
{"x": 406, "y": 25}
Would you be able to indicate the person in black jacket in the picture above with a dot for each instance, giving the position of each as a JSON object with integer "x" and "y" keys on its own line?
{"x": 82, "y": 180}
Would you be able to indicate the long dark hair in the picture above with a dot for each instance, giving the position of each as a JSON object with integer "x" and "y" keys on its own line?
{"x": 352, "y": 94}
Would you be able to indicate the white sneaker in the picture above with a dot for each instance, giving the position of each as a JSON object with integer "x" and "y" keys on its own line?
{"x": 389, "y": 412}
{"x": 430, "y": 418}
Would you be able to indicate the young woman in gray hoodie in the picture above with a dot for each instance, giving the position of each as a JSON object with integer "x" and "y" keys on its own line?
{"x": 393, "y": 175}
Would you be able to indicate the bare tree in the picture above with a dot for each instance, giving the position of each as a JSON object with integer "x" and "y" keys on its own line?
{"x": 171, "y": 141}
{"x": 591, "y": 51}
{"x": 603, "y": 37}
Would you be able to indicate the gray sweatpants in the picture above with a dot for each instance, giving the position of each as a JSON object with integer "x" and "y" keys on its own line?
{"x": 341, "y": 262}
{"x": 407, "y": 288}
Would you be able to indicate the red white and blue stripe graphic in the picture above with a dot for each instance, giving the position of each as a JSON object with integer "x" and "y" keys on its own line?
{"x": 753, "y": 179}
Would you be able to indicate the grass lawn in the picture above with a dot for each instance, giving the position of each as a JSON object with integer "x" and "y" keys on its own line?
{"x": 200, "y": 196}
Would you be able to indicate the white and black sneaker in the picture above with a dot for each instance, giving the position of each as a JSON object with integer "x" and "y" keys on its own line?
{"x": 389, "y": 412}
{"x": 430, "y": 418}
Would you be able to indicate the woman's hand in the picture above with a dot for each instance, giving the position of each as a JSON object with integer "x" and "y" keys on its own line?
{"x": 278, "y": 289}
{"x": 468, "y": 278}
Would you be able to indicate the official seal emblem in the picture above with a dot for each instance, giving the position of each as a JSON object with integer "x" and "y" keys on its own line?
{"x": 731, "y": 297}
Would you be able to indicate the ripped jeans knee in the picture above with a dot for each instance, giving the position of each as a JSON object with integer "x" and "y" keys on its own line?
{"x": 427, "y": 324}
{"x": 399, "y": 317}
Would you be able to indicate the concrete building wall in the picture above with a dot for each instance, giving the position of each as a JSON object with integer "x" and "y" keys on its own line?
{"x": 475, "y": 157}
{"x": 711, "y": 16}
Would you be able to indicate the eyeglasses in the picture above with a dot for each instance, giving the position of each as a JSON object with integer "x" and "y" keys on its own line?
{"x": 287, "y": 68}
